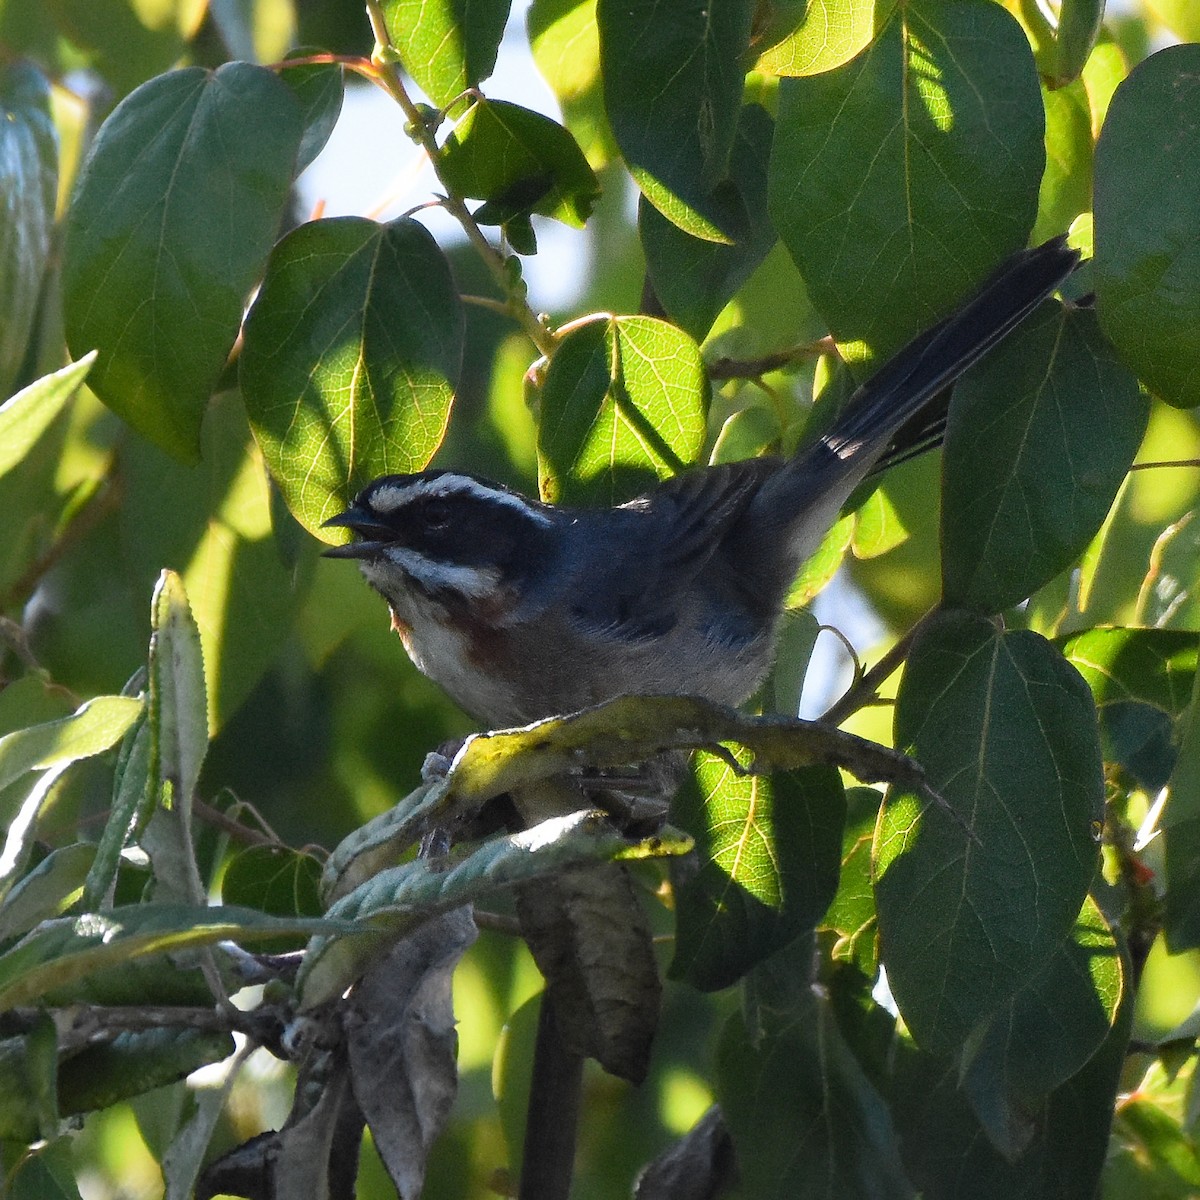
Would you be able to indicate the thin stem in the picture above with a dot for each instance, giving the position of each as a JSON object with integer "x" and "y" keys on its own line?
{"x": 1168, "y": 462}
{"x": 865, "y": 689}
{"x": 105, "y": 500}
{"x": 753, "y": 368}
{"x": 552, "y": 1119}
{"x": 488, "y": 302}
{"x": 386, "y": 61}
{"x": 1154, "y": 566}
{"x": 354, "y": 62}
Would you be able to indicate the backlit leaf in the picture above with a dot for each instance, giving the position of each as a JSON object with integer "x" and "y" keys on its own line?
{"x": 352, "y": 351}
{"x": 768, "y": 851}
{"x": 829, "y": 34}
{"x": 624, "y": 402}
{"x": 901, "y": 179}
{"x": 694, "y": 278}
{"x": 27, "y": 415}
{"x": 93, "y": 728}
{"x": 519, "y": 161}
{"x": 447, "y": 46}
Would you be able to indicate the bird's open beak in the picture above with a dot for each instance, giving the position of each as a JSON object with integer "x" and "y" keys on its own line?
{"x": 373, "y": 533}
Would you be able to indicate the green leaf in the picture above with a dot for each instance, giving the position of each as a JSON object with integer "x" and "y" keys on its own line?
{"x": 693, "y": 278}
{"x": 829, "y": 34}
{"x": 1181, "y": 834}
{"x": 1147, "y": 196}
{"x": 1006, "y": 732}
{"x": 1079, "y": 25}
{"x": 566, "y": 48}
{"x": 133, "y": 801}
{"x": 807, "y": 1123}
{"x": 676, "y": 127}
{"x": 184, "y": 1157}
{"x": 1102, "y": 75}
{"x": 178, "y": 717}
{"x": 27, "y": 415}
{"x": 177, "y": 206}
{"x": 624, "y": 403}
{"x": 510, "y": 1072}
{"x": 1063, "y": 1161}
{"x": 768, "y": 851}
{"x": 41, "y": 1061}
{"x": 47, "y": 891}
{"x": 1066, "y": 189}
{"x": 852, "y": 913}
{"x": 797, "y": 638}
{"x": 50, "y": 1174}
{"x": 1038, "y": 440}
{"x": 1148, "y": 666}
{"x": 447, "y": 46}
{"x": 824, "y": 563}
{"x": 351, "y": 356}
{"x": 274, "y": 879}
{"x": 93, "y": 728}
{"x": 178, "y": 705}
{"x": 396, "y": 900}
{"x": 135, "y": 1062}
{"x": 878, "y": 527}
{"x": 1141, "y": 680}
{"x": 28, "y": 186}
{"x": 899, "y": 181}
{"x": 1045, "y": 1034}
{"x": 320, "y": 90}
{"x": 140, "y": 981}
{"x": 1164, "y": 1149}
{"x": 519, "y": 162}
{"x": 380, "y": 842}
{"x": 70, "y": 949}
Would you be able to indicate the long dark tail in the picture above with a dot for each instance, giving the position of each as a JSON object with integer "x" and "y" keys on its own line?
{"x": 810, "y": 490}
{"x": 935, "y": 358}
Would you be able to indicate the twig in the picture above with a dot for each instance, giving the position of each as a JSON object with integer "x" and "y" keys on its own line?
{"x": 865, "y": 689}
{"x": 104, "y": 500}
{"x": 752, "y": 368}
{"x": 386, "y": 62}
{"x": 548, "y": 1156}
{"x": 238, "y": 832}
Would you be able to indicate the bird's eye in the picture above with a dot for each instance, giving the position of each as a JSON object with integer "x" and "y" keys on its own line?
{"x": 436, "y": 514}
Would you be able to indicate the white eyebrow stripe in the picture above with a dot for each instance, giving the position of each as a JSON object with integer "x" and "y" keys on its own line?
{"x": 390, "y": 497}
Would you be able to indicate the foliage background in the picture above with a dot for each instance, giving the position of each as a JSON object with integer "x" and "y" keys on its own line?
{"x": 318, "y": 721}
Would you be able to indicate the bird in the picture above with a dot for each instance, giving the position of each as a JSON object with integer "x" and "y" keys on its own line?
{"x": 522, "y": 610}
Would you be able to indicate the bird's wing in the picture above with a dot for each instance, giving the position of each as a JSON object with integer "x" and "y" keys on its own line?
{"x": 653, "y": 548}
